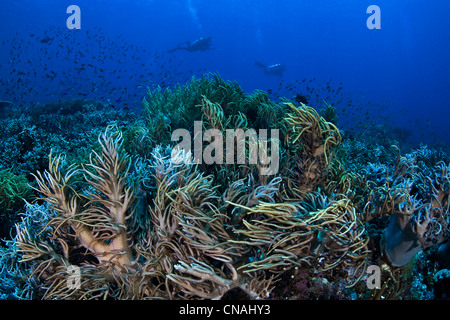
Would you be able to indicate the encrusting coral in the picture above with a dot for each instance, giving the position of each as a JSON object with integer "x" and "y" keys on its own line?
{"x": 164, "y": 226}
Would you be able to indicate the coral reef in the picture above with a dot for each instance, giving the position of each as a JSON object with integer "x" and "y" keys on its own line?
{"x": 130, "y": 216}
{"x": 14, "y": 190}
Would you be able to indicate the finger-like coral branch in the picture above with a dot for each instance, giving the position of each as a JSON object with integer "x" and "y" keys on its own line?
{"x": 99, "y": 223}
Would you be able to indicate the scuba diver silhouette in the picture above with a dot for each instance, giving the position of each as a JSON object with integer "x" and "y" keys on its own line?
{"x": 273, "y": 70}
{"x": 201, "y": 44}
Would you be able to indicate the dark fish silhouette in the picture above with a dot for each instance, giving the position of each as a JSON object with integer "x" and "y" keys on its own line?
{"x": 201, "y": 44}
{"x": 46, "y": 39}
{"x": 272, "y": 70}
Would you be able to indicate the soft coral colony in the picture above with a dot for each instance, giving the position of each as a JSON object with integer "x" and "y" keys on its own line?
{"x": 153, "y": 226}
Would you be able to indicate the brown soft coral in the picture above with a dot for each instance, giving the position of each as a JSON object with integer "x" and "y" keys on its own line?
{"x": 87, "y": 230}
{"x": 96, "y": 219}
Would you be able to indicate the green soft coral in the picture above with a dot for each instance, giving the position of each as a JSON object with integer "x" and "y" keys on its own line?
{"x": 13, "y": 190}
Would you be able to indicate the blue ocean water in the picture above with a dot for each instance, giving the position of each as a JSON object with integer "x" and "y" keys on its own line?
{"x": 399, "y": 71}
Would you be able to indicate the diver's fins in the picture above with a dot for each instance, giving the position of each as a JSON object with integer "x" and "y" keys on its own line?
{"x": 181, "y": 46}
{"x": 260, "y": 65}
{"x": 173, "y": 50}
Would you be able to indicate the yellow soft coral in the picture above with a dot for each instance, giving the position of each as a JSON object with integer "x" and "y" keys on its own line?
{"x": 313, "y": 139}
